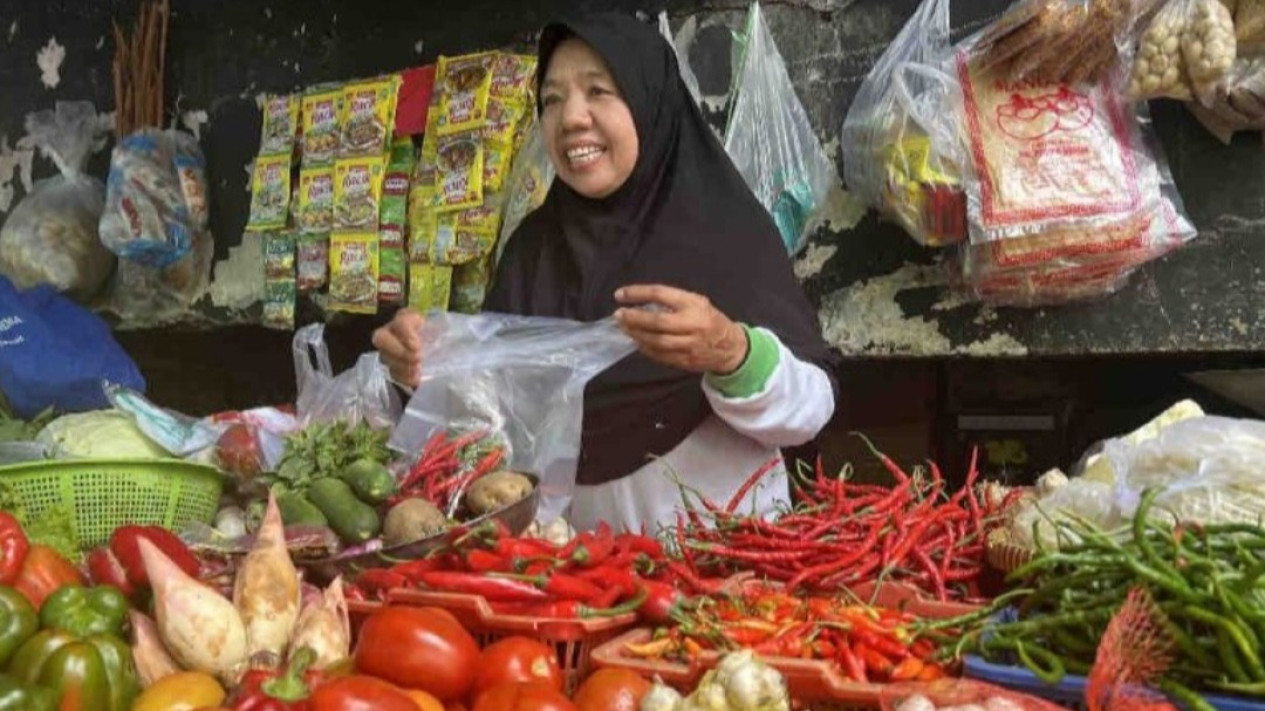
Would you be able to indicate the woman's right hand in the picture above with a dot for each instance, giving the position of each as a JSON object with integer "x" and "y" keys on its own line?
{"x": 400, "y": 343}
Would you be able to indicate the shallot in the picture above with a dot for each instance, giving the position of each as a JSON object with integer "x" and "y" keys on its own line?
{"x": 151, "y": 658}
{"x": 324, "y": 627}
{"x": 266, "y": 592}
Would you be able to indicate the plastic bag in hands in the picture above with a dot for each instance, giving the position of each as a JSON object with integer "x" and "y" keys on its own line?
{"x": 1208, "y": 468}
{"x": 957, "y": 694}
{"x": 521, "y": 377}
{"x": 51, "y": 236}
{"x": 156, "y": 200}
{"x": 362, "y": 393}
{"x": 895, "y": 137}
{"x": 771, "y": 142}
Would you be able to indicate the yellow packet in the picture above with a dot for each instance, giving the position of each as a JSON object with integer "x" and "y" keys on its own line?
{"x": 457, "y": 244}
{"x": 368, "y": 117}
{"x": 503, "y": 117}
{"x": 358, "y": 193}
{"x": 353, "y": 272}
{"x": 269, "y": 193}
{"x": 316, "y": 200}
{"x": 320, "y": 127}
{"x": 459, "y": 172}
{"x": 422, "y": 222}
{"x": 429, "y": 287}
{"x": 496, "y": 166}
{"x": 463, "y": 84}
{"x": 280, "y": 123}
{"x": 486, "y": 217}
{"x": 512, "y": 75}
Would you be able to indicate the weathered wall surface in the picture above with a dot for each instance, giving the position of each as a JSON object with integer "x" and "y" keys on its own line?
{"x": 880, "y": 294}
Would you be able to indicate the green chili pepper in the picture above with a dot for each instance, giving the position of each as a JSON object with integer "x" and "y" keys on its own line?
{"x": 1185, "y": 696}
{"x": 1028, "y": 653}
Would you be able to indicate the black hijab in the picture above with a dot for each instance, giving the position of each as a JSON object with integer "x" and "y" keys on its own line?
{"x": 684, "y": 218}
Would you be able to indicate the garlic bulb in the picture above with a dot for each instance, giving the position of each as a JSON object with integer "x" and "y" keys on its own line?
{"x": 266, "y": 591}
{"x": 661, "y": 698}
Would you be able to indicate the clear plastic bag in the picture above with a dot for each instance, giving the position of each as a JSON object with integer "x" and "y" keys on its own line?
{"x": 529, "y": 181}
{"x": 521, "y": 377}
{"x": 140, "y": 293}
{"x": 362, "y": 393}
{"x": 51, "y": 236}
{"x": 1241, "y": 107}
{"x": 893, "y": 142}
{"x": 680, "y": 47}
{"x": 1159, "y": 69}
{"x": 156, "y": 200}
{"x": 771, "y": 141}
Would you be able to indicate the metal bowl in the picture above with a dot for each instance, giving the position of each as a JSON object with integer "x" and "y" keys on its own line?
{"x": 516, "y": 517}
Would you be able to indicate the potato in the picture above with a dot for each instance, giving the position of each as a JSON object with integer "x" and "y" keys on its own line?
{"x": 412, "y": 520}
{"x": 496, "y": 491}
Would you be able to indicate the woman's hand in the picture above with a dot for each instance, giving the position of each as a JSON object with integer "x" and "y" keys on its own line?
{"x": 685, "y": 331}
{"x": 400, "y": 343}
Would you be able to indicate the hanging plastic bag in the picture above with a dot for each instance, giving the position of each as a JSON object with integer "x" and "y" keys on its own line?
{"x": 362, "y": 393}
{"x": 519, "y": 377}
{"x": 140, "y": 293}
{"x": 156, "y": 200}
{"x": 51, "y": 236}
{"x": 680, "y": 47}
{"x": 1159, "y": 69}
{"x": 54, "y": 353}
{"x": 528, "y": 184}
{"x": 771, "y": 141}
{"x": 893, "y": 138}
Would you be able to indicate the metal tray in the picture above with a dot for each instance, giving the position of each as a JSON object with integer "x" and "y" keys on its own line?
{"x": 516, "y": 517}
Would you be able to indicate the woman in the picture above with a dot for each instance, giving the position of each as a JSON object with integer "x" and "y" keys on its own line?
{"x": 648, "y": 211}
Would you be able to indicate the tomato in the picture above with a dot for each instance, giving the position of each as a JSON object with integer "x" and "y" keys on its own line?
{"x": 359, "y": 693}
{"x": 424, "y": 701}
{"x": 611, "y": 690}
{"x": 517, "y": 659}
{"x": 237, "y": 451}
{"x": 422, "y": 648}
{"x": 523, "y": 696}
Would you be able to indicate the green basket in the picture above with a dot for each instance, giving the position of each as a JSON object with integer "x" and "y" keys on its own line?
{"x": 106, "y": 494}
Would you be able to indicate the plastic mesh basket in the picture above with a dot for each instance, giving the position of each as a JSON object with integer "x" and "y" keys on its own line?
{"x": 102, "y": 495}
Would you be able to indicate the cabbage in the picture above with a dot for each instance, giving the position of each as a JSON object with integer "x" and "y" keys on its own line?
{"x": 100, "y": 434}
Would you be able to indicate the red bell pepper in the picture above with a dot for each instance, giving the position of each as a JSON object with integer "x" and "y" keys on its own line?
{"x": 44, "y": 571}
{"x": 120, "y": 564}
{"x": 289, "y": 690}
{"x": 13, "y": 548}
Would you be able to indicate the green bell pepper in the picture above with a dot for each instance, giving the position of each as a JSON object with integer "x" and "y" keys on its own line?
{"x": 18, "y": 622}
{"x": 93, "y": 673}
{"x": 85, "y": 611}
{"x": 16, "y": 696}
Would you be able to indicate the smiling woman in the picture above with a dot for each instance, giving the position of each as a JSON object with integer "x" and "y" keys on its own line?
{"x": 650, "y": 222}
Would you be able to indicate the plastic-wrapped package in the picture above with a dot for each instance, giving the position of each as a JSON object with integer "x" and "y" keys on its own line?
{"x": 51, "y": 236}
{"x": 362, "y": 393}
{"x": 771, "y": 141}
{"x": 1208, "y": 47}
{"x": 140, "y": 293}
{"x": 680, "y": 47}
{"x": 156, "y": 199}
{"x": 1241, "y": 107}
{"x": 1159, "y": 69}
{"x": 892, "y": 130}
{"x": 519, "y": 376}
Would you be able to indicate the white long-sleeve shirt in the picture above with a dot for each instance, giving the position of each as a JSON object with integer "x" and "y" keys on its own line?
{"x": 743, "y": 435}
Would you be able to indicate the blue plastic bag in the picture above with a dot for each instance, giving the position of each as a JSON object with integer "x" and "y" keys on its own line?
{"x": 55, "y": 353}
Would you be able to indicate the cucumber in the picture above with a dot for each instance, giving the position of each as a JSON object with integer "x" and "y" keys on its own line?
{"x": 297, "y": 510}
{"x": 352, "y": 519}
{"x": 370, "y": 479}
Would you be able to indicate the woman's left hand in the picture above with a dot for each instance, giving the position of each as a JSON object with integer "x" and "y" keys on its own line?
{"x": 685, "y": 332}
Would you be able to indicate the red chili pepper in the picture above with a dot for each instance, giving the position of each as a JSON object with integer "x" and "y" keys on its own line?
{"x": 264, "y": 690}
{"x": 922, "y": 648}
{"x": 570, "y": 609}
{"x": 13, "y": 548}
{"x": 875, "y": 662}
{"x": 664, "y": 604}
{"x": 593, "y": 548}
{"x": 931, "y": 672}
{"x": 851, "y": 664}
{"x": 494, "y": 589}
{"x": 481, "y": 561}
{"x": 640, "y": 544}
{"x": 609, "y": 597}
{"x": 377, "y": 581}
{"x": 569, "y": 587}
{"x": 611, "y": 577}
{"x": 908, "y": 669}
{"x": 125, "y": 545}
{"x": 747, "y": 485}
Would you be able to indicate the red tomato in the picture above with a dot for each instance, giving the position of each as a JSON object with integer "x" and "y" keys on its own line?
{"x": 611, "y": 690}
{"x": 422, "y": 648}
{"x": 238, "y": 452}
{"x": 517, "y": 659}
{"x": 359, "y": 693}
{"x": 523, "y": 696}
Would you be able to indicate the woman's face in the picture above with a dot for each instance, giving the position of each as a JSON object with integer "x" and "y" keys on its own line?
{"x": 588, "y": 129}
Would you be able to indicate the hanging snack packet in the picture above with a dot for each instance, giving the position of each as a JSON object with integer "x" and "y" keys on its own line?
{"x": 367, "y": 117}
{"x": 280, "y": 123}
{"x": 512, "y": 76}
{"x": 470, "y": 285}
{"x": 429, "y": 287}
{"x": 353, "y": 272}
{"x": 395, "y": 185}
{"x": 315, "y": 211}
{"x": 459, "y": 172}
{"x": 458, "y": 244}
{"x": 392, "y": 264}
{"x": 312, "y": 262}
{"x": 270, "y": 193}
{"x": 279, "y": 254}
{"x": 358, "y": 193}
{"x": 279, "y": 282}
{"x": 464, "y": 84}
{"x": 320, "y": 117}
{"x": 486, "y": 217}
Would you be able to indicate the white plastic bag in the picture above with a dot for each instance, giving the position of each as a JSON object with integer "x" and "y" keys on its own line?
{"x": 771, "y": 141}
{"x": 51, "y": 236}
{"x": 528, "y": 184}
{"x": 896, "y": 141}
{"x": 521, "y": 377}
{"x": 680, "y": 47}
{"x": 362, "y": 393}
{"x": 157, "y": 197}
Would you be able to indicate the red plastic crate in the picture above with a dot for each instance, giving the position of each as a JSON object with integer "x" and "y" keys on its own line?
{"x": 817, "y": 684}
{"x": 572, "y": 639}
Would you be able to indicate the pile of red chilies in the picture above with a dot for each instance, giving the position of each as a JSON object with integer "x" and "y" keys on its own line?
{"x": 447, "y": 464}
{"x": 843, "y": 534}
